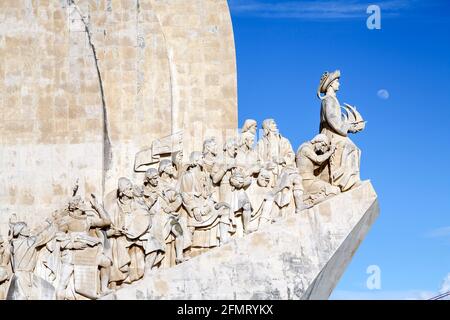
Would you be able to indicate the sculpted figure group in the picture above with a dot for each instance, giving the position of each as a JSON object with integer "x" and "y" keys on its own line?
{"x": 88, "y": 250}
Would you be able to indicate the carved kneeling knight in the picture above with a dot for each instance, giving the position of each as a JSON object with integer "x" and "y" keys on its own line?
{"x": 312, "y": 159}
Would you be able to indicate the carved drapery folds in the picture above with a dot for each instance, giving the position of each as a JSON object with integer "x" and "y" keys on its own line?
{"x": 180, "y": 210}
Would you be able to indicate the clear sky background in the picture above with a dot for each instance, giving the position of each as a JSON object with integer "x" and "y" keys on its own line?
{"x": 283, "y": 47}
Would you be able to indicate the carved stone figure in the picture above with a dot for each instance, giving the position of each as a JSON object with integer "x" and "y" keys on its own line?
{"x": 240, "y": 202}
{"x": 246, "y": 156}
{"x": 82, "y": 255}
{"x": 177, "y": 160}
{"x": 345, "y": 161}
{"x": 262, "y": 200}
{"x": 208, "y": 220}
{"x": 274, "y": 151}
{"x": 25, "y": 285}
{"x": 164, "y": 204}
{"x": 312, "y": 158}
{"x": 5, "y": 267}
{"x": 130, "y": 221}
{"x": 223, "y": 168}
{"x": 288, "y": 193}
{"x": 250, "y": 127}
{"x": 167, "y": 173}
{"x": 209, "y": 161}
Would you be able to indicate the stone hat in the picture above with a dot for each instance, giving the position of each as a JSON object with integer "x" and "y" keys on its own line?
{"x": 326, "y": 80}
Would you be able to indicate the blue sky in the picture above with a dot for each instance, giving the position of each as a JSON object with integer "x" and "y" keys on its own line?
{"x": 283, "y": 47}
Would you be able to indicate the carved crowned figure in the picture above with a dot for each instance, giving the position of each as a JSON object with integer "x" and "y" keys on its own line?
{"x": 336, "y": 125}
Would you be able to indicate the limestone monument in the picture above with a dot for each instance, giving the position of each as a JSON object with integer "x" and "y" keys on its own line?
{"x": 136, "y": 101}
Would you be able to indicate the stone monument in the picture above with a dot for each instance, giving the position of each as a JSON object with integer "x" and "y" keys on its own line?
{"x": 122, "y": 175}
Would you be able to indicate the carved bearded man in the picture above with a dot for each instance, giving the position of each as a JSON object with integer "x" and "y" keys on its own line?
{"x": 247, "y": 157}
{"x": 345, "y": 161}
{"x": 130, "y": 221}
{"x": 274, "y": 151}
{"x": 210, "y": 159}
{"x": 167, "y": 173}
{"x": 250, "y": 127}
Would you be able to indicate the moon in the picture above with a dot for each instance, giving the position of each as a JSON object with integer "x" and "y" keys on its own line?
{"x": 383, "y": 94}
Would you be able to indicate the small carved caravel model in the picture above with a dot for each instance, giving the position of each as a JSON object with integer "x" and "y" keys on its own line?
{"x": 180, "y": 210}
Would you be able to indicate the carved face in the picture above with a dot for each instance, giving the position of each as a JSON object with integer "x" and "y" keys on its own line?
{"x": 169, "y": 170}
{"x": 127, "y": 190}
{"x": 75, "y": 203}
{"x": 273, "y": 126}
{"x": 252, "y": 129}
{"x": 232, "y": 150}
{"x": 321, "y": 147}
{"x": 153, "y": 181}
{"x": 211, "y": 147}
{"x": 196, "y": 159}
{"x": 335, "y": 85}
{"x": 263, "y": 180}
{"x": 270, "y": 126}
{"x": 179, "y": 158}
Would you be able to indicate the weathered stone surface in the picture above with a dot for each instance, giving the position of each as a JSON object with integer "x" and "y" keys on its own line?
{"x": 84, "y": 85}
{"x": 301, "y": 257}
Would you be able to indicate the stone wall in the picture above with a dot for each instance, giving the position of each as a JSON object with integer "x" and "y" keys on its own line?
{"x": 86, "y": 84}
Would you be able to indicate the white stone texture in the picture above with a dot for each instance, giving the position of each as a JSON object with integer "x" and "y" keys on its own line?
{"x": 163, "y": 66}
{"x": 301, "y": 257}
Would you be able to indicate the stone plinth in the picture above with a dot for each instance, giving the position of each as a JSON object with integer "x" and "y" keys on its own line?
{"x": 301, "y": 257}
